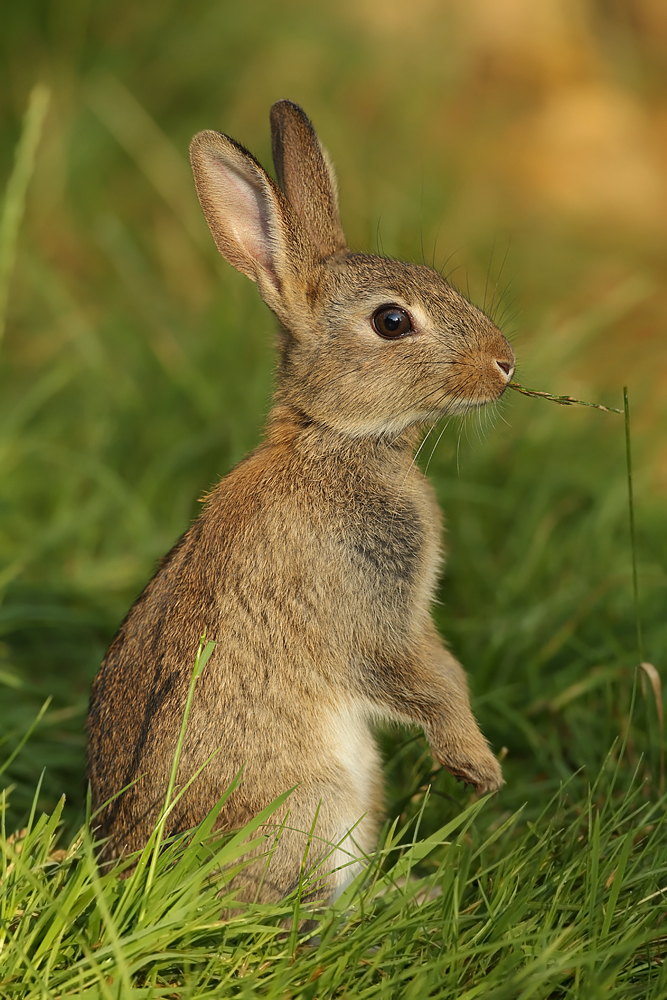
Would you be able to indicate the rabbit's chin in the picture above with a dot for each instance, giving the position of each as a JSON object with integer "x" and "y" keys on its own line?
{"x": 459, "y": 407}
{"x": 456, "y": 408}
{"x": 395, "y": 426}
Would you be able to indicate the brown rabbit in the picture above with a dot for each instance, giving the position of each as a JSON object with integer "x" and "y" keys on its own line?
{"x": 314, "y": 561}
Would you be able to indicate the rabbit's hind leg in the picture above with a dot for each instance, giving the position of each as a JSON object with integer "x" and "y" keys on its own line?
{"x": 311, "y": 844}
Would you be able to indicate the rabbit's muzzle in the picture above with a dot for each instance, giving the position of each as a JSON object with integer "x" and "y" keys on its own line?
{"x": 479, "y": 375}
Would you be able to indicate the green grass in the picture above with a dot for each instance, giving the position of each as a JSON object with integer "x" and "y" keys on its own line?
{"x": 136, "y": 368}
{"x": 564, "y": 905}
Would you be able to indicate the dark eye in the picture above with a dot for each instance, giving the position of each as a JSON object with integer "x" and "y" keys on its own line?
{"x": 391, "y": 322}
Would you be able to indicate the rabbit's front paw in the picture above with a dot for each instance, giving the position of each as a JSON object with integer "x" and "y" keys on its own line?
{"x": 475, "y": 765}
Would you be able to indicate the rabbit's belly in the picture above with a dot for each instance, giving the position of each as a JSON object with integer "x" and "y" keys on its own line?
{"x": 355, "y": 758}
{"x": 354, "y": 748}
{"x": 359, "y": 776}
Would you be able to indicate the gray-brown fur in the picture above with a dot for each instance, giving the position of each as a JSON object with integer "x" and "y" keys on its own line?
{"x": 313, "y": 563}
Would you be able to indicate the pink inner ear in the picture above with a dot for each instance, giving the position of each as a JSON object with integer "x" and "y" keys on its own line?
{"x": 243, "y": 211}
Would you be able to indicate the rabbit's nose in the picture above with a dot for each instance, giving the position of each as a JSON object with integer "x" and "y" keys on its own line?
{"x": 507, "y": 368}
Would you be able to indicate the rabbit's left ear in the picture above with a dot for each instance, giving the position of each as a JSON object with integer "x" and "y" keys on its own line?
{"x": 306, "y": 176}
{"x": 241, "y": 204}
{"x": 252, "y": 223}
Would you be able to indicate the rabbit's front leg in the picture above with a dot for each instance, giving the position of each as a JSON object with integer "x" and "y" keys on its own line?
{"x": 430, "y": 689}
{"x": 454, "y": 736}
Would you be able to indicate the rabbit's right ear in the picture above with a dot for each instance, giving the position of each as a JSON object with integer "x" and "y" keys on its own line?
{"x": 306, "y": 176}
{"x": 249, "y": 218}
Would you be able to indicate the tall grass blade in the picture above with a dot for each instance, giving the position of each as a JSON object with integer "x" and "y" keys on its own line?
{"x": 26, "y": 736}
{"x": 203, "y": 655}
{"x": 17, "y": 186}
{"x": 561, "y": 400}
{"x": 656, "y": 686}
{"x": 633, "y": 537}
{"x": 616, "y": 884}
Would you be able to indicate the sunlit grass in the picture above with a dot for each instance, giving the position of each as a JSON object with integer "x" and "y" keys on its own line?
{"x": 566, "y": 904}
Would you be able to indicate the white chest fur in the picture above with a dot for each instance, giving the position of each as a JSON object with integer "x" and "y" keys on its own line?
{"x": 355, "y": 758}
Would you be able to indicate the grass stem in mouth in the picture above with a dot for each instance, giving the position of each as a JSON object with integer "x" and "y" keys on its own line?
{"x": 562, "y": 400}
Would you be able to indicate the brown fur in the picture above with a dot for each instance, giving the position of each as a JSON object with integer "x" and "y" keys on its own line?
{"x": 313, "y": 563}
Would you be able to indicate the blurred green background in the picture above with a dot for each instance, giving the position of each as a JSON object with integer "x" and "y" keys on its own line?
{"x": 522, "y": 147}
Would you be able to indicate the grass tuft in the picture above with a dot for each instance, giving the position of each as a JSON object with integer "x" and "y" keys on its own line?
{"x": 565, "y": 905}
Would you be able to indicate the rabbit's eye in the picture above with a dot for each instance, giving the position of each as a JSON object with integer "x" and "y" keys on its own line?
{"x": 391, "y": 322}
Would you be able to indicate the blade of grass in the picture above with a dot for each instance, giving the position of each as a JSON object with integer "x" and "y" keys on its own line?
{"x": 109, "y": 924}
{"x": 26, "y": 736}
{"x": 616, "y": 884}
{"x": 561, "y": 400}
{"x": 17, "y": 186}
{"x": 294, "y": 933}
{"x": 203, "y": 656}
{"x": 631, "y": 512}
{"x": 654, "y": 679}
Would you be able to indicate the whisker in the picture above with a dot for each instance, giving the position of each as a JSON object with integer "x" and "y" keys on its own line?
{"x": 506, "y": 304}
{"x": 448, "y": 277}
{"x": 410, "y": 468}
{"x": 421, "y": 221}
{"x": 435, "y": 245}
{"x": 446, "y": 262}
{"x": 378, "y": 237}
{"x": 488, "y": 273}
{"x": 437, "y": 443}
{"x": 507, "y": 250}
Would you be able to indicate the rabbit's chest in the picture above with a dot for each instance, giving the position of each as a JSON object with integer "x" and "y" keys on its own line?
{"x": 392, "y": 550}
{"x": 387, "y": 544}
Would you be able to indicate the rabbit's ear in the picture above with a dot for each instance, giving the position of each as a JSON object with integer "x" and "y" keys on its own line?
{"x": 248, "y": 216}
{"x": 306, "y": 176}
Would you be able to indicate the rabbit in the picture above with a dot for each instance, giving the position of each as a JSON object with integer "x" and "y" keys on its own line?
{"x": 314, "y": 561}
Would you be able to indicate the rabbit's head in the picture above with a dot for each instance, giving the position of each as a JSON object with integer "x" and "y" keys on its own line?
{"x": 370, "y": 345}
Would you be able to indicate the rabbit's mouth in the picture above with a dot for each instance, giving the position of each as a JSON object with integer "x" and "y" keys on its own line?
{"x": 474, "y": 381}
